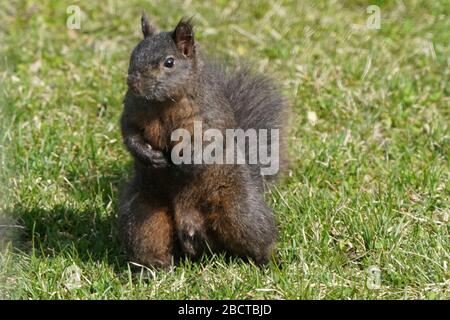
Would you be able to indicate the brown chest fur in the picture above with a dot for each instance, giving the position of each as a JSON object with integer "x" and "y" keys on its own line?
{"x": 159, "y": 123}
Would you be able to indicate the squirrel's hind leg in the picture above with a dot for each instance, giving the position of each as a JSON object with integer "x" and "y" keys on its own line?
{"x": 243, "y": 224}
{"x": 146, "y": 228}
{"x": 225, "y": 211}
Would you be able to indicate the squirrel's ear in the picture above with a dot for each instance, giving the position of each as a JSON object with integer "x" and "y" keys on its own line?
{"x": 147, "y": 28}
{"x": 183, "y": 35}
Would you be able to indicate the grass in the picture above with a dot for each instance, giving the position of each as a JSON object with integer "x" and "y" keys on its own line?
{"x": 369, "y": 184}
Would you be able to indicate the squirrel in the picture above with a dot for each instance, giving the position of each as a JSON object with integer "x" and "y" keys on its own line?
{"x": 170, "y": 210}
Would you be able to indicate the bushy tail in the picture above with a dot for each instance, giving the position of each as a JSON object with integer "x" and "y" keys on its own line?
{"x": 258, "y": 104}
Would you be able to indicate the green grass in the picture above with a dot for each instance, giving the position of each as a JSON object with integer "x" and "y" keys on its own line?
{"x": 369, "y": 184}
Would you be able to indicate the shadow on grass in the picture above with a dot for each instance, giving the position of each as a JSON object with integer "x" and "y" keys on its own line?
{"x": 88, "y": 234}
{"x": 63, "y": 230}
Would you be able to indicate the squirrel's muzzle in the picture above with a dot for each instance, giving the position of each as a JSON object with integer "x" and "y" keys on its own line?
{"x": 134, "y": 83}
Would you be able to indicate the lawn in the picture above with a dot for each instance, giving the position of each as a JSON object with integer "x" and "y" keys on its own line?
{"x": 363, "y": 212}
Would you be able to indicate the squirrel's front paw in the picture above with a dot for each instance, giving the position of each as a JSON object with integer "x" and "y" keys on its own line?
{"x": 191, "y": 242}
{"x": 155, "y": 158}
{"x": 191, "y": 232}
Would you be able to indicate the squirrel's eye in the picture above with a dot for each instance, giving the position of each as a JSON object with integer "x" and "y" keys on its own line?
{"x": 168, "y": 63}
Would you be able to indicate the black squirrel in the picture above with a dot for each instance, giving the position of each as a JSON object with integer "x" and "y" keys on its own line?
{"x": 169, "y": 210}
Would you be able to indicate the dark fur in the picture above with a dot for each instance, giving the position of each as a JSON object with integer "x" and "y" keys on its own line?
{"x": 169, "y": 209}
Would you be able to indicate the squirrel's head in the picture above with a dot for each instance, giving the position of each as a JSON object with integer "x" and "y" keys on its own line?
{"x": 163, "y": 63}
